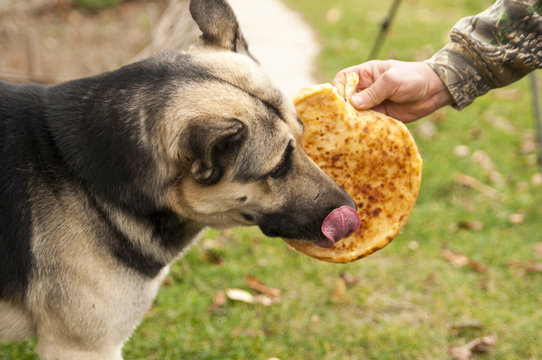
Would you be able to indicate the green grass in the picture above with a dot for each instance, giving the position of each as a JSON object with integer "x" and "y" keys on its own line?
{"x": 406, "y": 300}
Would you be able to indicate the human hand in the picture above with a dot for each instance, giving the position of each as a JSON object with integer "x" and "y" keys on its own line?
{"x": 406, "y": 91}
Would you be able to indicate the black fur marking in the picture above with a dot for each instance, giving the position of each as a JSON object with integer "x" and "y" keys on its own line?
{"x": 122, "y": 248}
{"x": 23, "y": 155}
{"x": 269, "y": 105}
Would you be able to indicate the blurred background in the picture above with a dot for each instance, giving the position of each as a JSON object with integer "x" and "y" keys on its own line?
{"x": 463, "y": 280}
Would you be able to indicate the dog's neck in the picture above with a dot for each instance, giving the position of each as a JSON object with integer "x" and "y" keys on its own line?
{"x": 145, "y": 244}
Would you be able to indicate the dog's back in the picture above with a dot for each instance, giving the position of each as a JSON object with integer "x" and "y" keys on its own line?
{"x": 20, "y": 110}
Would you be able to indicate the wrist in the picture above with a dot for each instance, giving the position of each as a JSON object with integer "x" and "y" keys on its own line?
{"x": 437, "y": 88}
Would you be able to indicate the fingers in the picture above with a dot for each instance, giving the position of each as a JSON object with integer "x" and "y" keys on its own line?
{"x": 339, "y": 82}
{"x": 382, "y": 89}
{"x": 368, "y": 73}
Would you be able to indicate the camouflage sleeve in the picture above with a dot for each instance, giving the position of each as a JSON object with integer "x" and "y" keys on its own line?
{"x": 490, "y": 50}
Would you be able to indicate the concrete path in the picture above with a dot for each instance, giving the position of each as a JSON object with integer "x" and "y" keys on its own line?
{"x": 281, "y": 40}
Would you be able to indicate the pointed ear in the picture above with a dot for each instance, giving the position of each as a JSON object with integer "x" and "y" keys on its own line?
{"x": 219, "y": 25}
{"x": 212, "y": 146}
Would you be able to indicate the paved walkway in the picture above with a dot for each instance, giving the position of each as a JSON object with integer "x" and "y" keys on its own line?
{"x": 281, "y": 41}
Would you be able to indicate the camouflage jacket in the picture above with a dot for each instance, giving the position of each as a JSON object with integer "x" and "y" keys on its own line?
{"x": 490, "y": 50}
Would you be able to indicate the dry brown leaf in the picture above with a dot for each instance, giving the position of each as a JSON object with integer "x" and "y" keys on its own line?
{"x": 426, "y": 129}
{"x": 475, "y": 184}
{"x": 257, "y": 285}
{"x": 525, "y": 267}
{"x": 349, "y": 279}
{"x": 459, "y": 260}
{"x": 338, "y": 293}
{"x": 483, "y": 344}
{"x": 479, "y": 345}
{"x": 460, "y": 353}
{"x": 516, "y": 219}
{"x": 499, "y": 122}
{"x": 333, "y": 15}
{"x": 529, "y": 143}
{"x": 536, "y": 180}
{"x": 483, "y": 159}
{"x": 219, "y": 300}
{"x": 264, "y": 300}
{"x": 461, "y": 151}
{"x": 534, "y": 268}
{"x": 474, "y": 225}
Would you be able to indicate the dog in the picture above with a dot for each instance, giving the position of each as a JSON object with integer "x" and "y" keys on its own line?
{"x": 105, "y": 181}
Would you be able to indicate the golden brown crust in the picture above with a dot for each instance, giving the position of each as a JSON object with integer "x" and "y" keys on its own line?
{"x": 372, "y": 156}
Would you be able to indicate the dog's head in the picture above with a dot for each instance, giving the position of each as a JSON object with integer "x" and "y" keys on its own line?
{"x": 236, "y": 140}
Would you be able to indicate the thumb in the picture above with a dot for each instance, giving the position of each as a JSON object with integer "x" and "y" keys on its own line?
{"x": 374, "y": 95}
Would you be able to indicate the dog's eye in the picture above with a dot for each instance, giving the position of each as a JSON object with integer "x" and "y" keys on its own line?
{"x": 282, "y": 168}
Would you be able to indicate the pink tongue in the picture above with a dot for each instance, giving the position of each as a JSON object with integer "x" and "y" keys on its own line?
{"x": 339, "y": 224}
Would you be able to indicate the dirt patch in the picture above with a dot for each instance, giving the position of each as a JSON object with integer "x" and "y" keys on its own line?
{"x": 56, "y": 42}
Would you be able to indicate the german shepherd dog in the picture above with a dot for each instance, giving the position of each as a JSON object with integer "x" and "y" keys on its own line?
{"x": 105, "y": 181}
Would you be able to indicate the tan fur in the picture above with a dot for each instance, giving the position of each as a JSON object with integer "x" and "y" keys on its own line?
{"x": 98, "y": 258}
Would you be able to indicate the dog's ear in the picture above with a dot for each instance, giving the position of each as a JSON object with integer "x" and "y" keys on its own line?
{"x": 212, "y": 145}
{"x": 219, "y": 25}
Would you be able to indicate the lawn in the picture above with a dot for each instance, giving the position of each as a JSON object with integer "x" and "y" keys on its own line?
{"x": 465, "y": 267}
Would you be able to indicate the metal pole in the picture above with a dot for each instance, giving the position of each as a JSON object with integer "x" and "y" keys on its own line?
{"x": 384, "y": 27}
{"x": 538, "y": 121}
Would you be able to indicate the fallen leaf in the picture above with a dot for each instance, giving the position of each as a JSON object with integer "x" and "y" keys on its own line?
{"x": 349, "y": 279}
{"x": 458, "y": 260}
{"x": 474, "y": 225}
{"x": 461, "y": 151}
{"x": 499, "y": 122}
{"x": 525, "y": 267}
{"x": 538, "y": 249}
{"x": 454, "y": 258}
{"x": 536, "y": 180}
{"x": 534, "y": 268}
{"x": 214, "y": 256}
{"x": 264, "y": 300}
{"x": 246, "y": 297}
{"x": 529, "y": 143}
{"x": 475, "y": 184}
{"x": 219, "y": 300}
{"x": 476, "y": 133}
{"x": 483, "y": 159}
{"x": 338, "y": 293}
{"x": 240, "y": 295}
{"x": 483, "y": 345}
{"x": 263, "y": 262}
{"x": 460, "y": 353}
{"x": 479, "y": 345}
{"x": 426, "y": 129}
{"x": 516, "y": 219}
{"x": 333, "y": 15}
{"x": 257, "y": 285}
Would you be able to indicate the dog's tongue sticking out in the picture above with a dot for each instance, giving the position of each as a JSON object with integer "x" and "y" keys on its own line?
{"x": 339, "y": 224}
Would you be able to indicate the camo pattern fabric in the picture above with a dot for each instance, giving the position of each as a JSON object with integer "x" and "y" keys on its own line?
{"x": 490, "y": 50}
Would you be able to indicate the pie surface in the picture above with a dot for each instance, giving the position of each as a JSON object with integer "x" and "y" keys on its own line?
{"x": 372, "y": 156}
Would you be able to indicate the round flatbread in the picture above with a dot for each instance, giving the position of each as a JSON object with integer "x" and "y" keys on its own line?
{"x": 372, "y": 156}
